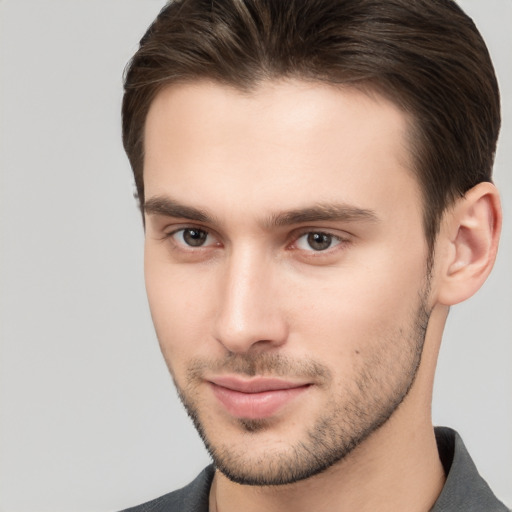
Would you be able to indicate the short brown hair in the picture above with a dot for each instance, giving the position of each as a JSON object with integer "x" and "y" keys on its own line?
{"x": 426, "y": 56}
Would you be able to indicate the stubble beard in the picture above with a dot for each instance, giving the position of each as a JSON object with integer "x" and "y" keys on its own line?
{"x": 380, "y": 387}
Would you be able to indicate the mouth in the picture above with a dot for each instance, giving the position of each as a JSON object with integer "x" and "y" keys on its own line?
{"x": 255, "y": 398}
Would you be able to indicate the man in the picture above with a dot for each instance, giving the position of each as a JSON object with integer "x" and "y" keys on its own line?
{"x": 315, "y": 183}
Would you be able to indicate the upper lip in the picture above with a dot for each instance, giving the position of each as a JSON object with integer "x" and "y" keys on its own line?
{"x": 254, "y": 384}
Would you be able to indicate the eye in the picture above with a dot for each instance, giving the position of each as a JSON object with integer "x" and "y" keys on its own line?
{"x": 192, "y": 237}
{"x": 317, "y": 241}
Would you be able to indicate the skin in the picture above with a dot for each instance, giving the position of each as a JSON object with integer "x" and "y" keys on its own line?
{"x": 246, "y": 294}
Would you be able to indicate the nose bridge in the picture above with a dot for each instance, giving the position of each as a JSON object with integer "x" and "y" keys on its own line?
{"x": 248, "y": 309}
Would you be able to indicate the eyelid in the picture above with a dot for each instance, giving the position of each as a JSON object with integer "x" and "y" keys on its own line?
{"x": 170, "y": 229}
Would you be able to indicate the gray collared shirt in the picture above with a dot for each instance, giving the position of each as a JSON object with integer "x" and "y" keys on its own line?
{"x": 464, "y": 491}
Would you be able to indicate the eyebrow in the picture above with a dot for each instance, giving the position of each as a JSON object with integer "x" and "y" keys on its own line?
{"x": 170, "y": 208}
{"x": 323, "y": 212}
{"x": 162, "y": 205}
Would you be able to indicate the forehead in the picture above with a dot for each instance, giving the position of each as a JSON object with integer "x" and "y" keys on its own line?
{"x": 283, "y": 144}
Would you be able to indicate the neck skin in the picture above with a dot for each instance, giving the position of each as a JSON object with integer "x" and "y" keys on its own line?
{"x": 396, "y": 469}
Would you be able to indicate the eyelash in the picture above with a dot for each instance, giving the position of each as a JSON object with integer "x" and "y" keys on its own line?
{"x": 334, "y": 240}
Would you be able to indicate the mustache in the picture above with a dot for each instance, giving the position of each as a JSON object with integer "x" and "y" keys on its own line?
{"x": 263, "y": 364}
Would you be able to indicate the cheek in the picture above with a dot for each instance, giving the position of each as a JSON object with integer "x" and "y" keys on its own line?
{"x": 353, "y": 309}
{"x": 180, "y": 304}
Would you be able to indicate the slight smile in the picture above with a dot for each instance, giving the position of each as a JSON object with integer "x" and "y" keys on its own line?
{"x": 257, "y": 398}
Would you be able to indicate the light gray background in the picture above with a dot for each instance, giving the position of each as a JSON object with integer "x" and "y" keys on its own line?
{"x": 89, "y": 418}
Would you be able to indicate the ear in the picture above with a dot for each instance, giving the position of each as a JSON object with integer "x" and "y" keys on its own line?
{"x": 468, "y": 243}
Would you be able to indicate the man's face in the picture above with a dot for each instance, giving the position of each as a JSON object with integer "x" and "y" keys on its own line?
{"x": 285, "y": 267}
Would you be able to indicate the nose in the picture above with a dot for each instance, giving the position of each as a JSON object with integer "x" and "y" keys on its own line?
{"x": 249, "y": 315}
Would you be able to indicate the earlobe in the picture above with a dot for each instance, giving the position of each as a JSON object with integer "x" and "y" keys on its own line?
{"x": 470, "y": 233}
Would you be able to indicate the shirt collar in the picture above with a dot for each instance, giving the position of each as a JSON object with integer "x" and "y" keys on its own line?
{"x": 464, "y": 488}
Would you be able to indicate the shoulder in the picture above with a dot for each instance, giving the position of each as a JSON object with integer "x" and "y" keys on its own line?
{"x": 191, "y": 498}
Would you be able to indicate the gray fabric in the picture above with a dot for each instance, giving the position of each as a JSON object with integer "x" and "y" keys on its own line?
{"x": 464, "y": 491}
{"x": 192, "y": 498}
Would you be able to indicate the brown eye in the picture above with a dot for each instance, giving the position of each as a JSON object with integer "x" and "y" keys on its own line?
{"x": 192, "y": 237}
{"x": 319, "y": 241}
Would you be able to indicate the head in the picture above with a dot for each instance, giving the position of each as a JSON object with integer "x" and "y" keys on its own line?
{"x": 294, "y": 162}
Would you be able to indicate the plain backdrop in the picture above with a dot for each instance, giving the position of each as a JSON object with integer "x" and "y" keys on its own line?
{"x": 89, "y": 418}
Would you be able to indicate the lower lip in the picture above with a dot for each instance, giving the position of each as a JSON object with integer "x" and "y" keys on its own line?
{"x": 255, "y": 405}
